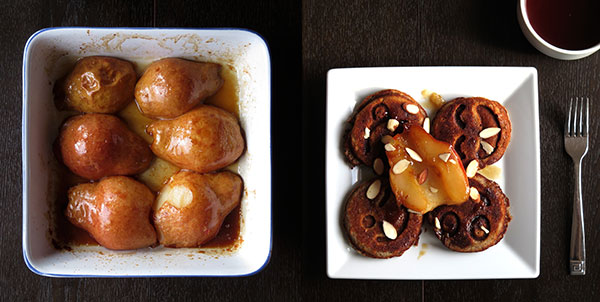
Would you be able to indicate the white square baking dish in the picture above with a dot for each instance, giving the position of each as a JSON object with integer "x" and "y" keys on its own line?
{"x": 44, "y": 56}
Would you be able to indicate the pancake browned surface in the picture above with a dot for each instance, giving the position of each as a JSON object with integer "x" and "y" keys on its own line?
{"x": 460, "y": 121}
{"x": 474, "y": 225}
{"x": 363, "y": 222}
{"x": 373, "y": 113}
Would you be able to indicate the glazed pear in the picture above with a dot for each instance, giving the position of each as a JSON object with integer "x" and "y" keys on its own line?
{"x": 115, "y": 211}
{"x": 425, "y": 172}
{"x": 203, "y": 140}
{"x": 99, "y": 84}
{"x": 191, "y": 207}
{"x": 171, "y": 87}
{"x": 98, "y": 145}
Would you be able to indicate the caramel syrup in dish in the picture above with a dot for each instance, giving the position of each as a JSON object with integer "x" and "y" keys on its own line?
{"x": 65, "y": 235}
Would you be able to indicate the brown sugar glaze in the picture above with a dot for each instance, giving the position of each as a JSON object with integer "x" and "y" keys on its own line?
{"x": 66, "y": 235}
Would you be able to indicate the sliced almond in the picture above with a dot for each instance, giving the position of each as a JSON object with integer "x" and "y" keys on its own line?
{"x": 474, "y": 193}
{"x": 444, "y": 156}
{"x": 414, "y": 212}
{"x": 392, "y": 124}
{"x": 426, "y": 124}
{"x": 400, "y": 166}
{"x": 452, "y": 161}
{"x": 367, "y": 133}
{"x": 487, "y": 147}
{"x": 374, "y": 189}
{"x": 413, "y": 154}
{"x": 422, "y": 176}
{"x": 386, "y": 139}
{"x": 389, "y": 147}
{"x": 411, "y": 108}
{"x": 472, "y": 168}
{"x": 491, "y": 172}
{"x": 389, "y": 230}
{"x": 437, "y": 223}
{"x": 378, "y": 166}
{"x": 433, "y": 189}
{"x": 489, "y": 132}
{"x": 485, "y": 230}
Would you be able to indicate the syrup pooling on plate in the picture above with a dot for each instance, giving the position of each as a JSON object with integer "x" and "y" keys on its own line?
{"x": 65, "y": 234}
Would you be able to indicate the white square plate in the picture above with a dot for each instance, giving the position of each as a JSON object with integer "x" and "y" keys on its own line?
{"x": 44, "y": 57}
{"x": 518, "y": 254}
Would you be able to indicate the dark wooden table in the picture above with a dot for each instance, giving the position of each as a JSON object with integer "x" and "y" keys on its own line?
{"x": 306, "y": 39}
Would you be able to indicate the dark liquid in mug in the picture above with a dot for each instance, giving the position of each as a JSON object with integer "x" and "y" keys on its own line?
{"x": 567, "y": 24}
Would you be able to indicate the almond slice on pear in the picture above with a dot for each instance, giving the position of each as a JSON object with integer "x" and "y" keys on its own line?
{"x": 413, "y": 154}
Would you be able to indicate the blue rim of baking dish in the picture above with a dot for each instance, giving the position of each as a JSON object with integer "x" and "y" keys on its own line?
{"x": 25, "y": 152}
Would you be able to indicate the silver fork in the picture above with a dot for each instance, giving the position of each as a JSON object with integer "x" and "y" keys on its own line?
{"x": 576, "y": 145}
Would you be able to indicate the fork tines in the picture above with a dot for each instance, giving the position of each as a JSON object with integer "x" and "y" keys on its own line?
{"x": 576, "y": 118}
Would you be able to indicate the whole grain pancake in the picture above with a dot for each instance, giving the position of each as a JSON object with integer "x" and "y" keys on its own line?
{"x": 466, "y": 123}
{"x": 364, "y": 214}
{"x": 369, "y": 123}
{"x": 474, "y": 225}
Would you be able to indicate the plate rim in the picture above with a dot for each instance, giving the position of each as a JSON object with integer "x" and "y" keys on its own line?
{"x": 528, "y": 71}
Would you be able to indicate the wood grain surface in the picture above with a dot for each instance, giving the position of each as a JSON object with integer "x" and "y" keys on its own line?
{"x": 280, "y": 280}
{"x": 455, "y": 33}
{"x": 305, "y": 40}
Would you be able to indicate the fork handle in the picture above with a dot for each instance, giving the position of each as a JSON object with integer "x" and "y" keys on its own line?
{"x": 577, "y": 255}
